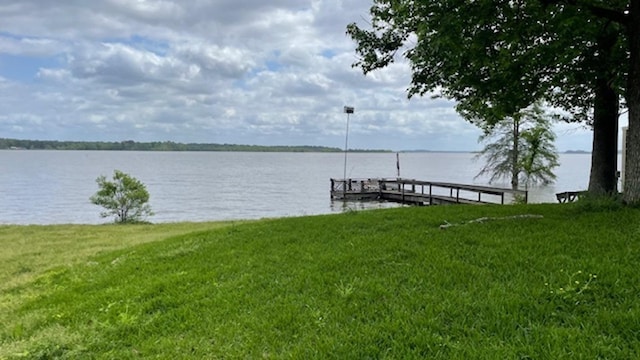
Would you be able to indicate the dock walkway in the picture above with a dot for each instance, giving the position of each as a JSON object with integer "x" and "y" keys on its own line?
{"x": 417, "y": 192}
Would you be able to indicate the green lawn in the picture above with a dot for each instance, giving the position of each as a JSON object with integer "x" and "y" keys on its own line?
{"x": 372, "y": 284}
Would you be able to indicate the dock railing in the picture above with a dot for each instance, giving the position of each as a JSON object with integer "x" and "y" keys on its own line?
{"x": 354, "y": 188}
{"x": 459, "y": 192}
{"x": 418, "y": 191}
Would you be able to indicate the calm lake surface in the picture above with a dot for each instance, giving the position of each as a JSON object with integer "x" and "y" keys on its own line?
{"x": 53, "y": 187}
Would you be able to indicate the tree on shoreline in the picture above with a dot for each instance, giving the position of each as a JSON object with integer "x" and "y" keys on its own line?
{"x": 520, "y": 149}
{"x": 539, "y": 157}
{"x": 124, "y": 197}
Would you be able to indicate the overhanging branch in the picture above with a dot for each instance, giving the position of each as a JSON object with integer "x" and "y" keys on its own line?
{"x": 618, "y": 16}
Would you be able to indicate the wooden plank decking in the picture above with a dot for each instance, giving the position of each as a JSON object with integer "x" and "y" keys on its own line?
{"x": 410, "y": 191}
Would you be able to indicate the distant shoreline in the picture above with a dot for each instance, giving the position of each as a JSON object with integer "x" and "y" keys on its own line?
{"x": 130, "y": 145}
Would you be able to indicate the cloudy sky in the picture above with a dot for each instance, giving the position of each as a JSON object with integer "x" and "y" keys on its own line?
{"x": 272, "y": 72}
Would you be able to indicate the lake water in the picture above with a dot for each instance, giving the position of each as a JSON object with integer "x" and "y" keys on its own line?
{"x": 53, "y": 187}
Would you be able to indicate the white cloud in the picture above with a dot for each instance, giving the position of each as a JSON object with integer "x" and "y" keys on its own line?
{"x": 219, "y": 61}
{"x": 36, "y": 47}
{"x": 148, "y": 10}
{"x": 229, "y": 71}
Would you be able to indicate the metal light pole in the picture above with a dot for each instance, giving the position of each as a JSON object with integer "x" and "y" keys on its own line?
{"x": 347, "y": 110}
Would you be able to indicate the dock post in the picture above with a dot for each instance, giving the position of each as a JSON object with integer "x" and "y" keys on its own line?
{"x": 332, "y": 188}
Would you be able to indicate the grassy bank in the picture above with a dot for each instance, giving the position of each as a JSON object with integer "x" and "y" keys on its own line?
{"x": 373, "y": 284}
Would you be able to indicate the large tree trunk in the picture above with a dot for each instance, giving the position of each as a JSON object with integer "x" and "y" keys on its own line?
{"x": 632, "y": 165}
{"x": 604, "y": 156}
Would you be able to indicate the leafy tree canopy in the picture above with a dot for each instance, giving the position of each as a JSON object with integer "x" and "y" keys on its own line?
{"x": 497, "y": 57}
{"x": 124, "y": 197}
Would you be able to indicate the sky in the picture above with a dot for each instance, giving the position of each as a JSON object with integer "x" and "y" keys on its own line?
{"x": 272, "y": 72}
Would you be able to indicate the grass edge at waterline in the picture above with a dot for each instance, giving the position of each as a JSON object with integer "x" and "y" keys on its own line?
{"x": 370, "y": 284}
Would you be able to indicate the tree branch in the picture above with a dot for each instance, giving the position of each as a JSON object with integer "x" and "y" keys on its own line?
{"x": 599, "y": 11}
{"x": 447, "y": 224}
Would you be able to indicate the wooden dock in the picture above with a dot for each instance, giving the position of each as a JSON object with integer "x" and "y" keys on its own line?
{"x": 417, "y": 192}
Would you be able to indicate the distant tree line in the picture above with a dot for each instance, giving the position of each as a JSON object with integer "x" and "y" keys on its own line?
{"x": 131, "y": 145}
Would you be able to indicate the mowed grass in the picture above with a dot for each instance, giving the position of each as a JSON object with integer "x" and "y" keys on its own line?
{"x": 27, "y": 251}
{"x": 384, "y": 284}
